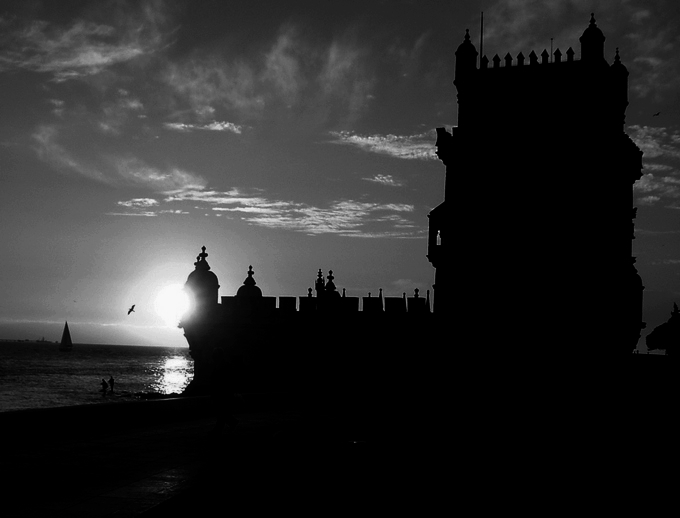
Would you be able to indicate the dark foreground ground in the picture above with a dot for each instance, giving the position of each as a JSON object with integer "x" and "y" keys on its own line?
{"x": 515, "y": 444}
{"x": 166, "y": 458}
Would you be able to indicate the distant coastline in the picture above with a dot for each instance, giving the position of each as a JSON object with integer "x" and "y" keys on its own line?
{"x": 56, "y": 342}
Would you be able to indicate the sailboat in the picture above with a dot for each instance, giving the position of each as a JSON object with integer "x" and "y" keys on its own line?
{"x": 66, "y": 344}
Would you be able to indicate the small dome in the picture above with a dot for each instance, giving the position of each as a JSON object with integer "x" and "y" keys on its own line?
{"x": 592, "y": 42}
{"x": 202, "y": 283}
{"x": 466, "y": 48}
{"x": 617, "y": 65}
{"x": 592, "y": 33}
{"x": 249, "y": 289}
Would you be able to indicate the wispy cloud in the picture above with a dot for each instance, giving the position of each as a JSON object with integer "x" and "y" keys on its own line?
{"x": 139, "y": 203}
{"x": 409, "y": 147}
{"x": 171, "y": 179}
{"x": 211, "y": 80}
{"x": 294, "y": 76}
{"x": 343, "y": 217}
{"x": 384, "y": 179}
{"x": 114, "y": 169}
{"x": 115, "y": 113}
{"x": 212, "y": 126}
{"x": 83, "y": 47}
{"x": 50, "y": 151}
{"x": 144, "y": 213}
{"x": 347, "y": 218}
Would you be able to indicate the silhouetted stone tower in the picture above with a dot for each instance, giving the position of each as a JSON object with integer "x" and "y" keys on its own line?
{"x": 532, "y": 245}
{"x": 202, "y": 288}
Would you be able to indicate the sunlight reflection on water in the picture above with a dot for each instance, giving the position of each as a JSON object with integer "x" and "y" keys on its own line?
{"x": 173, "y": 375}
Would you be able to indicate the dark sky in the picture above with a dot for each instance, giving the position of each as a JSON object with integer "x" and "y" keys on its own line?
{"x": 291, "y": 135}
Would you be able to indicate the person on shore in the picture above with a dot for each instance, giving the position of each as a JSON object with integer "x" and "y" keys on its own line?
{"x": 104, "y": 387}
{"x": 111, "y": 382}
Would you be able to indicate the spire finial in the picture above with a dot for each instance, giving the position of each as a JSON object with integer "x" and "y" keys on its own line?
{"x": 467, "y": 34}
{"x": 200, "y": 260}
{"x": 249, "y": 280}
{"x": 592, "y": 18}
{"x": 330, "y": 285}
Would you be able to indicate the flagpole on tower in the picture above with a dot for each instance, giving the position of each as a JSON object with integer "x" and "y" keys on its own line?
{"x": 481, "y": 39}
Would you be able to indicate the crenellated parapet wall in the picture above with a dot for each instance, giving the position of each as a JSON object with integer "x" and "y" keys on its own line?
{"x": 325, "y": 340}
{"x": 520, "y": 60}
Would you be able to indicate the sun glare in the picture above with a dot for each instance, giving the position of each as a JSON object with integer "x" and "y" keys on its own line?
{"x": 171, "y": 303}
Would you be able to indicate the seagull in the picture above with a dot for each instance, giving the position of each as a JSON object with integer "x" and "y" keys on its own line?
{"x": 132, "y": 309}
{"x": 656, "y": 114}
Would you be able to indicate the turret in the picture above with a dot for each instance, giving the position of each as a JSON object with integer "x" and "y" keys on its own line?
{"x": 466, "y": 60}
{"x": 592, "y": 43}
{"x": 202, "y": 285}
{"x": 620, "y": 81}
{"x": 249, "y": 288}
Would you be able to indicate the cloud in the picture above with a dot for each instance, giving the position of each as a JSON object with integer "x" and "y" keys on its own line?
{"x": 409, "y": 147}
{"x": 347, "y": 218}
{"x": 655, "y": 67}
{"x": 656, "y": 142}
{"x": 116, "y": 113}
{"x": 210, "y": 80}
{"x": 384, "y": 179}
{"x": 114, "y": 170}
{"x": 171, "y": 179}
{"x": 661, "y": 181}
{"x": 294, "y": 77}
{"x": 656, "y": 188}
{"x": 212, "y": 126}
{"x": 283, "y": 66}
{"x": 141, "y": 213}
{"x": 343, "y": 217}
{"x": 55, "y": 154}
{"x": 83, "y": 47}
{"x": 139, "y": 203}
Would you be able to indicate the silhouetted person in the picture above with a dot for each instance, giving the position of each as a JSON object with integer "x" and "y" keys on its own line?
{"x": 111, "y": 382}
{"x": 223, "y": 390}
{"x": 104, "y": 387}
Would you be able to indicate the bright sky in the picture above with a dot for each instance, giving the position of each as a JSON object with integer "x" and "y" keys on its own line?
{"x": 291, "y": 135}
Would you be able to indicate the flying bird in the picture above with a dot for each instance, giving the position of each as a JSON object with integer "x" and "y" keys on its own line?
{"x": 132, "y": 309}
{"x": 656, "y": 114}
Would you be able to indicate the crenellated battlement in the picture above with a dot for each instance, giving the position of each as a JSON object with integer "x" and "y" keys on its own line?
{"x": 327, "y": 299}
{"x": 521, "y": 60}
{"x": 392, "y": 305}
{"x": 292, "y": 341}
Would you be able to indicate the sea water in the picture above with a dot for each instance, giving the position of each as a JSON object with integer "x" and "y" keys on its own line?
{"x": 38, "y": 375}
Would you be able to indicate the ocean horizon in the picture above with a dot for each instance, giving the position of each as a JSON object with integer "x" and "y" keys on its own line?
{"x": 36, "y": 374}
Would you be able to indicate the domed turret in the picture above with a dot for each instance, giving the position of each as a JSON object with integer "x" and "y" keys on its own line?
{"x": 202, "y": 285}
{"x": 466, "y": 58}
{"x": 249, "y": 289}
{"x": 592, "y": 42}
